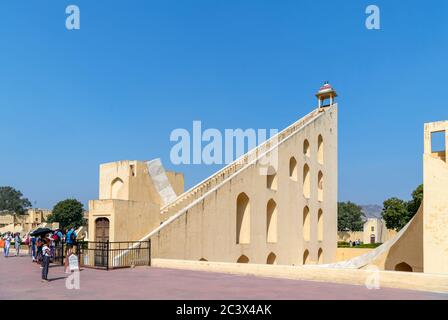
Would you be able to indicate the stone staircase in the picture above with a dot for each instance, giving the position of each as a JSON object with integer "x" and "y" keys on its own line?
{"x": 208, "y": 184}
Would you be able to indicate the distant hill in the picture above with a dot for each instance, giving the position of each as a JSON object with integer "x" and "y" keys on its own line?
{"x": 372, "y": 210}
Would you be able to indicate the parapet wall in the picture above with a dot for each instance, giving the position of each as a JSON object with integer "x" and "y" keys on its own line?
{"x": 386, "y": 279}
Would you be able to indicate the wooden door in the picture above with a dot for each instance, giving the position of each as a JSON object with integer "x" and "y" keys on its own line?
{"x": 101, "y": 242}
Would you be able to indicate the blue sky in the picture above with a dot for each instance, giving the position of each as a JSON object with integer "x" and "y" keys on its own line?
{"x": 136, "y": 70}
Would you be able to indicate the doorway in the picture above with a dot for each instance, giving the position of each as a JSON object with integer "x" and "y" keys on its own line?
{"x": 101, "y": 242}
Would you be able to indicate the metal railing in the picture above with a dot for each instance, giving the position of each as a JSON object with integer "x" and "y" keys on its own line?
{"x": 113, "y": 255}
{"x": 107, "y": 255}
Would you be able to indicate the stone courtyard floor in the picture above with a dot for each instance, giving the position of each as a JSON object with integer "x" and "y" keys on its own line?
{"x": 20, "y": 279}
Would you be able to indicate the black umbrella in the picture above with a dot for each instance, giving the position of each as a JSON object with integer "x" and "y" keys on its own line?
{"x": 40, "y": 231}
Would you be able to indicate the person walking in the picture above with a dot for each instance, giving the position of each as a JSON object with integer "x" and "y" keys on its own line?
{"x": 39, "y": 245}
{"x": 33, "y": 248}
{"x": 52, "y": 246}
{"x": 8, "y": 239}
{"x": 17, "y": 243}
{"x": 28, "y": 243}
{"x": 70, "y": 241}
{"x": 45, "y": 260}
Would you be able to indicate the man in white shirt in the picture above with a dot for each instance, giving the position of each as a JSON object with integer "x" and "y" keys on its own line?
{"x": 45, "y": 260}
{"x": 8, "y": 240}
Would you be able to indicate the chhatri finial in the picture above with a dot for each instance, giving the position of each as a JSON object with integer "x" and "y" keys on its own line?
{"x": 326, "y": 92}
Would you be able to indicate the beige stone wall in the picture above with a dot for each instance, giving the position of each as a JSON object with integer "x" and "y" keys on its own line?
{"x": 208, "y": 230}
{"x": 381, "y": 237}
{"x": 348, "y": 236}
{"x": 129, "y": 200}
{"x": 129, "y": 180}
{"x": 176, "y": 180}
{"x": 6, "y": 219}
{"x": 343, "y": 254}
{"x": 408, "y": 248}
{"x": 435, "y": 217}
{"x": 128, "y": 220}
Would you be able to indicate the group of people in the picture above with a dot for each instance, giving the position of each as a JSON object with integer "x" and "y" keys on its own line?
{"x": 355, "y": 243}
{"x": 42, "y": 247}
{"x": 8, "y": 238}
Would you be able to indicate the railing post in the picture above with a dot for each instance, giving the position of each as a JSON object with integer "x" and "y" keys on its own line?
{"x": 62, "y": 253}
{"x": 79, "y": 245}
{"x": 149, "y": 252}
{"x": 107, "y": 255}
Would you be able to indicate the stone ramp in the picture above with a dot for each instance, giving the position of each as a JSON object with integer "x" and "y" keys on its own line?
{"x": 377, "y": 256}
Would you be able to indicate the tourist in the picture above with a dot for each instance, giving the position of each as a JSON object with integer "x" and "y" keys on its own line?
{"x": 8, "y": 240}
{"x": 57, "y": 236}
{"x": 17, "y": 243}
{"x": 50, "y": 243}
{"x": 33, "y": 248}
{"x": 45, "y": 260}
{"x": 70, "y": 240}
{"x": 39, "y": 244}
{"x": 28, "y": 243}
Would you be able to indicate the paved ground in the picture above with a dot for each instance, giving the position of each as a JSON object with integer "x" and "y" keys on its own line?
{"x": 20, "y": 279}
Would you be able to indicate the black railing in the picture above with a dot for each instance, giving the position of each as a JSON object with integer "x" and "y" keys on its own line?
{"x": 58, "y": 253}
{"x": 107, "y": 255}
{"x": 113, "y": 255}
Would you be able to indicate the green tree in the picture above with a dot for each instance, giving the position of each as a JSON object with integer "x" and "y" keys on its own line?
{"x": 350, "y": 217}
{"x": 395, "y": 213}
{"x": 12, "y": 200}
{"x": 69, "y": 213}
{"x": 414, "y": 204}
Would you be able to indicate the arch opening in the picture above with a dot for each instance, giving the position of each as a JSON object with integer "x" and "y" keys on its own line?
{"x": 320, "y": 225}
{"x": 271, "y": 259}
{"x": 243, "y": 259}
{"x": 403, "y": 267}
{"x": 242, "y": 219}
{"x": 320, "y": 256}
{"x": 115, "y": 188}
{"x": 306, "y": 257}
{"x": 306, "y": 224}
{"x": 306, "y": 148}
{"x": 293, "y": 169}
{"x": 271, "y": 179}
{"x": 306, "y": 181}
{"x": 320, "y": 149}
{"x": 271, "y": 221}
{"x": 320, "y": 186}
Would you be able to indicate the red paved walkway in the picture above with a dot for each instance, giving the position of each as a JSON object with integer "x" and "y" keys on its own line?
{"x": 20, "y": 279}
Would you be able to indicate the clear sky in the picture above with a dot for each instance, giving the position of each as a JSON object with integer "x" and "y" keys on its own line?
{"x": 137, "y": 69}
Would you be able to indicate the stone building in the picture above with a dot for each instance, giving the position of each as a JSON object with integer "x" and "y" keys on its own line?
{"x": 277, "y": 204}
{"x": 374, "y": 231}
{"x": 23, "y": 223}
